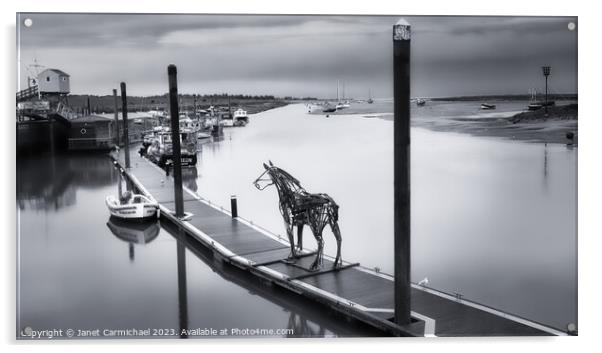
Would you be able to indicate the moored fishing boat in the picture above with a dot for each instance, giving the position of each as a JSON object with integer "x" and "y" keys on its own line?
{"x": 225, "y": 119}
{"x": 160, "y": 150}
{"x": 240, "y": 117}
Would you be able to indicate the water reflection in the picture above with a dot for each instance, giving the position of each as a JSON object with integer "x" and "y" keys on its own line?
{"x": 189, "y": 177}
{"x": 545, "y": 166}
{"x": 49, "y": 183}
{"x": 182, "y": 291}
{"x": 133, "y": 232}
{"x": 302, "y": 327}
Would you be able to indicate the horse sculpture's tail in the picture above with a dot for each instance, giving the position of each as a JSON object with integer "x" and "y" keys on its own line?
{"x": 335, "y": 208}
{"x": 333, "y": 219}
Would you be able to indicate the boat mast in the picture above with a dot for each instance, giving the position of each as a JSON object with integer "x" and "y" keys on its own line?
{"x": 533, "y": 92}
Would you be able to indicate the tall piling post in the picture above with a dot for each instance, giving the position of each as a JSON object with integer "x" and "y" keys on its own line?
{"x": 126, "y": 137}
{"x": 194, "y": 105}
{"x": 116, "y": 101}
{"x": 172, "y": 73}
{"x": 401, "y": 159}
{"x": 229, "y": 108}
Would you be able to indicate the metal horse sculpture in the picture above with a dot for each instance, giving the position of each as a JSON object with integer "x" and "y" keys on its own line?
{"x": 298, "y": 208}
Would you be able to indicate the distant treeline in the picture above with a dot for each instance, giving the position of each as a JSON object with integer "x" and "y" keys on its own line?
{"x": 106, "y": 103}
{"x": 507, "y": 97}
{"x": 225, "y": 96}
{"x": 291, "y": 98}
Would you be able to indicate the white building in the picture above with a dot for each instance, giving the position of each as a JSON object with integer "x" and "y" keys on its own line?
{"x": 53, "y": 81}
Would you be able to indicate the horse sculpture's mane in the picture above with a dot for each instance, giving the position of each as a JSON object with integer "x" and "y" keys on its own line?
{"x": 284, "y": 179}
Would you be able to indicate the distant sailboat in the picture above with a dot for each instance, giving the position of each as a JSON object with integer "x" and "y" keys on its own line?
{"x": 328, "y": 108}
{"x": 533, "y": 103}
{"x": 341, "y": 105}
{"x": 370, "y": 100}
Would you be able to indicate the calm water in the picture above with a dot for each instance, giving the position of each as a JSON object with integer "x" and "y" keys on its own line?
{"x": 79, "y": 269}
{"x": 493, "y": 220}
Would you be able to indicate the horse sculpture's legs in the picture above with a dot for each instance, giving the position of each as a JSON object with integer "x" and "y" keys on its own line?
{"x": 317, "y": 264}
{"x": 291, "y": 239}
{"x": 300, "y": 236}
{"x": 337, "y": 234}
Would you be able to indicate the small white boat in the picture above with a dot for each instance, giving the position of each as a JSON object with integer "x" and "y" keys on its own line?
{"x": 314, "y": 107}
{"x": 341, "y": 102}
{"x": 342, "y": 105}
{"x": 132, "y": 207}
{"x": 487, "y": 106}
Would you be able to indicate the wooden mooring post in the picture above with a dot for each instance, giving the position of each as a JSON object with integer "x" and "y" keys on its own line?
{"x": 401, "y": 193}
{"x": 233, "y": 206}
{"x": 116, "y": 101}
{"x": 172, "y": 73}
{"x": 126, "y": 137}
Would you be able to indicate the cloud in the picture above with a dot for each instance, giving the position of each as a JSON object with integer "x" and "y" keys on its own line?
{"x": 312, "y": 30}
{"x": 300, "y": 55}
{"x": 84, "y": 30}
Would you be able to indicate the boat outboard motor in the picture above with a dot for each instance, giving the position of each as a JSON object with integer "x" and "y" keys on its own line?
{"x": 125, "y": 198}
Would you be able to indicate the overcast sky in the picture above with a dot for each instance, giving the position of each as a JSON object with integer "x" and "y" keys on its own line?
{"x": 300, "y": 55}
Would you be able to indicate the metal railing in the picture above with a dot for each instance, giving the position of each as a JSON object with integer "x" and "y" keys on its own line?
{"x": 27, "y": 93}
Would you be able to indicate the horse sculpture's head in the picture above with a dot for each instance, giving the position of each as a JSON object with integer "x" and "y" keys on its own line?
{"x": 265, "y": 179}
